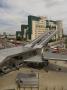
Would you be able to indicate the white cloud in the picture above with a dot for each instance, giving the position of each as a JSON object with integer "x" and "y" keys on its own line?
{"x": 15, "y": 12}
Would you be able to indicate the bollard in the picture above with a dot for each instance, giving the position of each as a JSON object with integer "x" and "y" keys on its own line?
{"x": 54, "y": 88}
{"x": 62, "y": 88}
{"x": 46, "y": 88}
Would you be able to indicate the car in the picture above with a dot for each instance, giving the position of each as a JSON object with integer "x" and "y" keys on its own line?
{"x": 55, "y": 50}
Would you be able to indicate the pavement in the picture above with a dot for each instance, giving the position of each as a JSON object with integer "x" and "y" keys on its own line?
{"x": 49, "y": 80}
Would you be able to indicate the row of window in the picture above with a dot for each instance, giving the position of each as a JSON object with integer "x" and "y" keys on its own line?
{"x": 40, "y": 26}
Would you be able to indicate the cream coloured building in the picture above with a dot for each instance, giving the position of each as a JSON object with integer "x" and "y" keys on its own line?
{"x": 39, "y": 25}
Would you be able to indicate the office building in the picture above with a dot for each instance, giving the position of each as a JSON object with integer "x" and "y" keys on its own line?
{"x": 24, "y": 31}
{"x": 18, "y": 35}
{"x": 38, "y": 25}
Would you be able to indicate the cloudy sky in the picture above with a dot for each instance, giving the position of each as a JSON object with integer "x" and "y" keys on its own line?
{"x": 13, "y": 13}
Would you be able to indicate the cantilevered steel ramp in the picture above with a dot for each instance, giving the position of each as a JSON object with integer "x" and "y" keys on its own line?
{"x": 42, "y": 40}
{"x": 6, "y": 54}
{"x": 38, "y": 39}
{"x": 55, "y": 56}
{"x": 47, "y": 56}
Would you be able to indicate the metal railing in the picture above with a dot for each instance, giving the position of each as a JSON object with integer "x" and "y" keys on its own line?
{"x": 40, "y": 41}
{"x": 45, "y": 39}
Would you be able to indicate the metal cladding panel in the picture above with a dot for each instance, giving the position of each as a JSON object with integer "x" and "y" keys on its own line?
{"x": 35, "y": 59}
{"x": 12, "y": 51}
{"x": 27, "y": 79}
